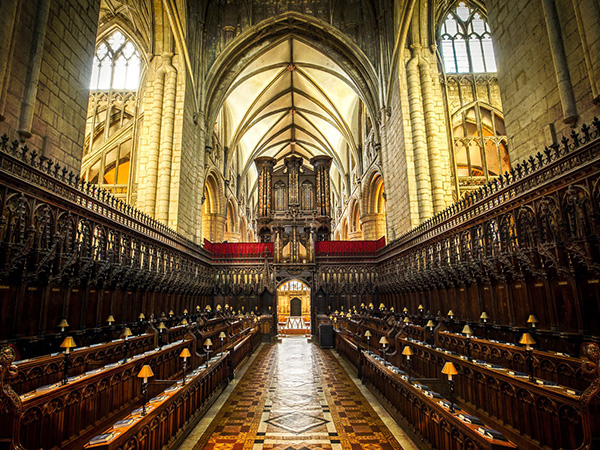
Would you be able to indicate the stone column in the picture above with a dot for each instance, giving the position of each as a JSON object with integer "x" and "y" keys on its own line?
{"x": 561, "y": 66}
{"x": 588, "y": 22}
{"x": 419, "y": 136}
{"x": 264, "y": 165}
{"x": 373, "y": 226}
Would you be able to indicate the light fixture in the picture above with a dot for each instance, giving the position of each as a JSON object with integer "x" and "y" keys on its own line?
{"x": 110, "y": 319}
{"x": 384, "y": 342}
{"x": 222, "y": 336}
{"x": 450, "y": 371}
{"x": 207, "y": 343}
{"x": 468, "y": 331}
{"x": 171, "y": 313}
{"x": 125, "y": 335}
{"x": 185, "y": 354}
{"x": 141, "y": 317}
{"x": 405, "y": 310}
{"x": 528, "y": 340}
{"x": 368, "y": 336}
{"x": 185, "y": 311}
{"x": 430, "y": 324}
{"x": 484, "y": 317}
{"x": 406, "y": 320}
{"x": 381, "y": 306}
{"x": 451, "y": 314}
{"x": 67, "y": 344}
{"x": 62, "y": 325}
{"x": 145, "y": 373}
{"x": 161, "y": 329}
{"x": 532, "y": 320}
{"x": 407, "y": 351}
{"x": 421, "y": 308}
{"x": 184, "y": 322}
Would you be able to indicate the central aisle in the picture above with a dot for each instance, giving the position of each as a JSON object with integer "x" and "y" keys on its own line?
{"x": 296, "y": 396}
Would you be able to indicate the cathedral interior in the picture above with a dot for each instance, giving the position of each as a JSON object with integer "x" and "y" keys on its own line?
{"x": 299, "y": 224}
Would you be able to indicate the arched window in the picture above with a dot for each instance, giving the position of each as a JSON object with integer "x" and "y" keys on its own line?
{"x": 466, "y": 42}
{"x": 116, "y": 64}
{"x": 480, "y": 144}
{"x": 113, "y": 114}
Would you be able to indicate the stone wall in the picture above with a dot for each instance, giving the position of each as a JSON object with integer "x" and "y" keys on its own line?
{"x": 59, "y": 103}
{"x": 527, "y": 75}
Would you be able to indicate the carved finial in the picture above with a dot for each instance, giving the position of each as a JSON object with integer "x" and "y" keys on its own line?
{"x": 590, "y": 370}
{"x": 9, "y": 400}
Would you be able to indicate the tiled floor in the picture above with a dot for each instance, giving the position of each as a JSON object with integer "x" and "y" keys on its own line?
{"x": 295, "y": 396}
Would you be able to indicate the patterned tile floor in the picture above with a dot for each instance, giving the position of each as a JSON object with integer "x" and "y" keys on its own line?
{"x": 295, "y": 396}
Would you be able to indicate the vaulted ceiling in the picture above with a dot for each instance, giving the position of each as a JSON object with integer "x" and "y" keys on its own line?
{"x": 293, "y": 99}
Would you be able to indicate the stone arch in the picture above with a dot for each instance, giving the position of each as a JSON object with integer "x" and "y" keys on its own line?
{"x": 244, "y": 230}
{"x": 213, "y": 206}
{"x": 354, "y": 225}
{"x": 373, "y": 219}
{"x": 344, "y": 229}
{"x": 232, "y": 225}
{"x": 230, "y": 63}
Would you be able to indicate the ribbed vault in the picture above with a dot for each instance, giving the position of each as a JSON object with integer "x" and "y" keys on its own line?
{"x": 293, "y": 99}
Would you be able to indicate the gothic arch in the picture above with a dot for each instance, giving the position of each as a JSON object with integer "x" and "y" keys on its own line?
{"x": 213, "y": 206}
{"x": 374, "y": 211}
{"x": 260, "y": 38}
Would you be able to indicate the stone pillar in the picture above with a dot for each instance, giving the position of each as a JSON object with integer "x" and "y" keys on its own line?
{"x": 264, "y": 165}
{"x": 561, "y": 66}
{"x": 588, "y": 22}
{"x": 373, "y": 226}
{"x": 419, "y": 136}
{"x": 321, "y": 165}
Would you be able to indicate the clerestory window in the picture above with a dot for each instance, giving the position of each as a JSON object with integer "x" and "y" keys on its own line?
{"x": 116, "y": 64}
{"x": 466, "y": 42}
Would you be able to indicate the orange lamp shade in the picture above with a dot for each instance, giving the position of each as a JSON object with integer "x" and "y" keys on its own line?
{"x": 126, "y": 333}
{"x": 430, "y": 324}
{"x": 141, "y": 316}
{"x": 367, "y": 334}
{"x": 110, "y": 319}
{"x": 407, "y": 351}
{"x": 184, "y": 322}
{"x": 467, "y": 330}
{"x": 449, "y": 370}
{"x": 63, "y": 323}
{"x": 222, "y": 335}
{"x": 484, "y": 316}
{"x": 185, "y": 353}
{"x": 208, "y": 342}
{"x": 68, "y": 343}
{"x": 528, "y": 340}
{"x": 162, "y": 326}
{"x": 145, "y": 373}
{"x": 383, "y": 340}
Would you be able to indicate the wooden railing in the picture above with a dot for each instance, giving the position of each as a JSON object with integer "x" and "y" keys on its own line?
{"x": 534, "y": 415}
{"x": 526, "y": 243}
{"x": 429, "y": 420}
{"x": 168, "y": 421}
{"x": 49, "y": 369}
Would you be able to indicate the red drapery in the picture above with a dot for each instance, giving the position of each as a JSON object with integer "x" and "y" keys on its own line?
{"x": 242, "y": 249}
{"x": 335, "y": 248}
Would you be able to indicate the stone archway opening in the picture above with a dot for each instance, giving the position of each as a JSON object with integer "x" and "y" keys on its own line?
{"x": 293, "y": 308}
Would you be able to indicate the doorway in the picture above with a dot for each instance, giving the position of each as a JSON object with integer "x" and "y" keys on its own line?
{"x": 293, "y": 308}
